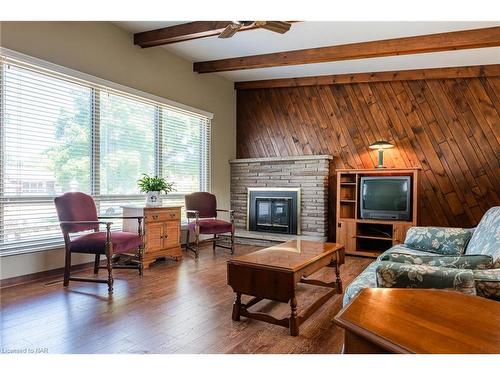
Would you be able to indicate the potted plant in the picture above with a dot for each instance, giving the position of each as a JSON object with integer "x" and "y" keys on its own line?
{"x": 153, "y": 186}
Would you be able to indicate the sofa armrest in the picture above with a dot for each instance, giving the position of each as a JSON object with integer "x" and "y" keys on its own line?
{"x": 439, "y": 240}
{"x": 488, "y": 283}
{"x": 472, "y": 262}
{"x": 401, "y": 275}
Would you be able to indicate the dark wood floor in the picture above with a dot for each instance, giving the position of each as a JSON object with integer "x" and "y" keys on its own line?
{"x": 180, "y": 307}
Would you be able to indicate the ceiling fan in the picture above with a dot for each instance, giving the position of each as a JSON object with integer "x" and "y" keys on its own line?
{"x": 276, "y": 26}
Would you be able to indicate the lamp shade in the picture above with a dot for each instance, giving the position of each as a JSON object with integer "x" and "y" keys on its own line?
{"x": 378, "y": 145}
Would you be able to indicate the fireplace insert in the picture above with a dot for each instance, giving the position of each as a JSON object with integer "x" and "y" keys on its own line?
{"x": 273, "y": 210}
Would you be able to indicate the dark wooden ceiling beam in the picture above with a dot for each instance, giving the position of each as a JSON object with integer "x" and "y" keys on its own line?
{"x": 182, "y": 33}
{"x": 399, "y": 75}
{"x": 456, "y": 40}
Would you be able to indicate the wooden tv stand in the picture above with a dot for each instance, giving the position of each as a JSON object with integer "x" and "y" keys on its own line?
{"x": 369, "y": 237}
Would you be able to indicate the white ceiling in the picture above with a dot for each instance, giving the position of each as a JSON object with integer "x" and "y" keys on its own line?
{"x": 318, "y": 34}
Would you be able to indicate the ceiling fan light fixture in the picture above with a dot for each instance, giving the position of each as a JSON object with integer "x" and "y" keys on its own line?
{"x": 230, "y": 29}
{"x": 235, "y": 26}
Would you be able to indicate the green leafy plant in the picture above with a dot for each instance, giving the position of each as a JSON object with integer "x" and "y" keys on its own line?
{"x": 148, "y": 183}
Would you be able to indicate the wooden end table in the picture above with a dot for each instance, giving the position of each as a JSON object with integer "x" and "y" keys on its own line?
{"x": 273, "y": 274}
{"x": 420, "y": 321}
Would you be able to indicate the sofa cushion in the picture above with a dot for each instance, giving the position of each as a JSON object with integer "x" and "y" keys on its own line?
{"x": 488, "y": 283}
{"x": 476, "y": 261}
{"x": 403, "y": 249}
{"x": 445, "y": 241}
{"x": 486, "y": 237}
{"x": 402, "y": 275}
{"x": 368, "y": 279}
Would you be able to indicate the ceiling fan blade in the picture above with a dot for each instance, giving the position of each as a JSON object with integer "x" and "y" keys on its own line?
{"x": 276, "y": 26}
{"x": 230, "y": 30}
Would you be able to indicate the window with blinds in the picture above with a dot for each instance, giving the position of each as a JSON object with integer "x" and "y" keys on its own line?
{"x": 127, "y": 143}
{"x": 60, "y": 133}
{"x": 184, "y": 144}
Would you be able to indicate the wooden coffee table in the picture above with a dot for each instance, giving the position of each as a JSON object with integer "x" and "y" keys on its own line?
{"x": 273, "y": 274}
{"x": 422, "y": 321}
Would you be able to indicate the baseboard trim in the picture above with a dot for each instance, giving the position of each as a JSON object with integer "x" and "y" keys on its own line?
{"x": 24, "y": 279}
{"x": 57, "y": 272}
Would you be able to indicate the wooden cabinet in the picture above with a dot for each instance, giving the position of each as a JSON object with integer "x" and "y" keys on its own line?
{"x": 162, "y": 231}
{"x": 346, "y": 234}
{"x": 369, "y": 237}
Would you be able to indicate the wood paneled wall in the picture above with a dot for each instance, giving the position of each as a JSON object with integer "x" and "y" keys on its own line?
{"x": 448, "y": 127}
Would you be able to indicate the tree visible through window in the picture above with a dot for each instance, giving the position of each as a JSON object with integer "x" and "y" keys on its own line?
{"x": 182, "y": 146}
{"x": 47, "y": 126}
{"x": 127, "y": 149}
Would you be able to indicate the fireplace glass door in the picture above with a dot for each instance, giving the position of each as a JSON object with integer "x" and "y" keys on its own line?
{"x": 273, "y": 214}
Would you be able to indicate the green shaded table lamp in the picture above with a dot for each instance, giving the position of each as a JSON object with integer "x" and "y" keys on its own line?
{"x": 380, "y": 146}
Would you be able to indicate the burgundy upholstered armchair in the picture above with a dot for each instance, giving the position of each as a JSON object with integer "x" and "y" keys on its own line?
{"x": 201, "y": 210}
{"x": 77, "y": 213}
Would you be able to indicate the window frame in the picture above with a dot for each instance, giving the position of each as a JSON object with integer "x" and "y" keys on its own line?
{"x": 98, "y": 86}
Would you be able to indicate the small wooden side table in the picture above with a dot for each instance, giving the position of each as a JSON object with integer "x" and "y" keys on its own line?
{"x": 162, "y": 231}
{"x": 420, "y": 321}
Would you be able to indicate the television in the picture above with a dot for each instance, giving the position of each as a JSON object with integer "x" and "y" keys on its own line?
{"x": 385, "y": 197}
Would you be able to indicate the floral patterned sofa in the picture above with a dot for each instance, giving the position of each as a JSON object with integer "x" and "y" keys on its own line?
{"x": 467, "y": 260}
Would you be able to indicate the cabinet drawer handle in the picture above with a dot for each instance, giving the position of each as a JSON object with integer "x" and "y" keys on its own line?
{"x": 155, "y": 217}
{"x": 172, "y": 215}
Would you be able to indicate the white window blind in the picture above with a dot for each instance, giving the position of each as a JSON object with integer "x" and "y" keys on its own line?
{"x": 60, "y": 133}
{"x": 185, "y": 141}
{"x": 45, "y": 145}
{"x": 127, "y": 133}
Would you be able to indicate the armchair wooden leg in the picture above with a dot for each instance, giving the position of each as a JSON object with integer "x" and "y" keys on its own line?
{"x": 109, "y": 258}
{"x": 197, "y": 251}
{"x": 109, "y": 266}
{"x": 67, "y": 267}
{"x": 187, "y": 239}
{"x": 232, "y": 240}
{"x": 141, "y": 257}
{"x": 96, "y": 263}
{"x": 214, "y": 243}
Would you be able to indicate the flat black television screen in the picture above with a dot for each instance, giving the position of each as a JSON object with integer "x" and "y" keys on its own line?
{"x": 385, "y": 198}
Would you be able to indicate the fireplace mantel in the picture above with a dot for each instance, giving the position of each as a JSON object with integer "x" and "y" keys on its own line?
{"x": 282, "y": 159}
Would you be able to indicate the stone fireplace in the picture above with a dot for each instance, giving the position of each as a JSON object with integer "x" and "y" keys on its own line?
{"x": 287, "y": 195}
